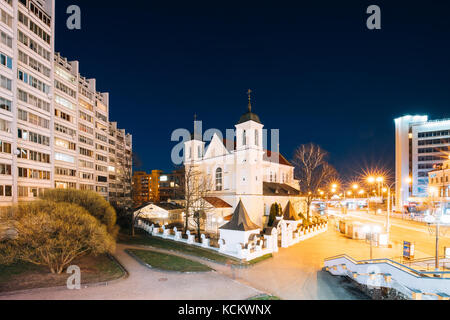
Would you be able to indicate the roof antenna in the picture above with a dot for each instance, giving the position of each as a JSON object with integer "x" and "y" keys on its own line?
{"x": 249, "y": 100}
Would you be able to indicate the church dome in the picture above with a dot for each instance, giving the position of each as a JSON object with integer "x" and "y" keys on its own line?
{"x": 249, "y": 115}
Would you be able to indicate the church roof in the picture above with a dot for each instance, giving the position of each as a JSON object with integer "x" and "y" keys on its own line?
{"x": 217, "y": 202}
{"x": 240, "y": 221}
{"x": 281, "y": 159}
{"x": 279, "y": 189}
{"x": 249, "y": 116}
{"x": 289, "y": 212}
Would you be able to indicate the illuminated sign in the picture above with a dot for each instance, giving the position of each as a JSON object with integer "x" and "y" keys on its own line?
{"x": 163, "y": 178}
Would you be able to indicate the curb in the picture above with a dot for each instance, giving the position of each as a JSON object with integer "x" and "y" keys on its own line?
{"x": 82, "y": 286}
{"x": 161, "y": 270}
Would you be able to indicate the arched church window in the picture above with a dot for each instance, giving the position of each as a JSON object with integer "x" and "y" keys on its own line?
{"x": 256, "y": 138}
{"x": 219, "y": 179}
{"x": 244, "y": 138}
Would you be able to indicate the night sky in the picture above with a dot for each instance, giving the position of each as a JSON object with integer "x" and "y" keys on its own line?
{"x": 317, "y": 73}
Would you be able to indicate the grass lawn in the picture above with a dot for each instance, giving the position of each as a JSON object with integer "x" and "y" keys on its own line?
{"x": 169, "y": 262}
{"x": 142, "y": 239}
{"x": 265, "y": 297}
{"x": 22, "y": 275}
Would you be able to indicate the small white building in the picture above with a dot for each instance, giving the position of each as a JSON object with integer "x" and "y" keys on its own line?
{"x": 160, "y": 213}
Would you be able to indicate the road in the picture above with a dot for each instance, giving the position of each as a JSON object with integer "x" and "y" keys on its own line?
{"x": 404, "y": 230}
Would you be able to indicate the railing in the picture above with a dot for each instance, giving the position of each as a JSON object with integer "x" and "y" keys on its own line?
{"x": 398, "y": 265}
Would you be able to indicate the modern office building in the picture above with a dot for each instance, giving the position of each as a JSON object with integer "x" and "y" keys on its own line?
{"x": 420, "y": 144}
{"x": 439, "y": 182}
{"x": 54, "y": 124}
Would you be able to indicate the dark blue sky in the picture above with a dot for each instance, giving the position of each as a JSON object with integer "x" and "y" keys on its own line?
{"x": 317, "y": 73}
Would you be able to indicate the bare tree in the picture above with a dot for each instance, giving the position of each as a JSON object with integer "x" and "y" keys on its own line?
{"x": 312, "y": 170}
{"x": 198, "y": 185}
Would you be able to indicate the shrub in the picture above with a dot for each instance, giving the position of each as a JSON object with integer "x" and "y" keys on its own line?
{"x": 53, "y": 234}
{"x": 94, "y": 203}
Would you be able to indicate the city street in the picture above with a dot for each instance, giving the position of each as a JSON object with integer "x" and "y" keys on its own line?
{"x": 403, "y": 230}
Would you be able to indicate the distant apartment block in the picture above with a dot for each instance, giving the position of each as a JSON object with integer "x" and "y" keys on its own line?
{"x": 157, "y": 186}
{"x": 420, "y": 146}
{"x": 54, "y": 124}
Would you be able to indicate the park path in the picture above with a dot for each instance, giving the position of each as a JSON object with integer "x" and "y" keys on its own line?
{"x": 148, "y": 284}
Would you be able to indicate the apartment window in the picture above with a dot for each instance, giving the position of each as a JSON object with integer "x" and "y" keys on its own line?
{"x": 6, "y": 18}
{"x": 38, "y": 31}
{"x": 33, "y": 155}
{"x": 5, "y": 169}
{"x": 33, "y": 137}
{"x": 101, "y": 116}
{"x": 6, "y": 60}
{"x": 22, "y": 191}
{"x": 86, "y": 176}
{"x": 86, "y": 187}
{"x": 5, "y": 125}
{"x": 99, "y": 157}
{"x": 64, "y": 157}
{"x": 101, "y": 168}
{"x": 102, "y": 179}
{"x": 65, "y": 144}
{"x": 5, "y": 147}
{"x": 86, "y": 105}
{"x": 5, "y": 104}
{"x": 65, "y": 75}
{"x": 23, "y": 19}
{"x": 65, "y": 172}
{"x": 85, "y": 140}
{"x": 64, "y": 129}
{"x": 85, "y": 128}
{"x": 32, "y": 100}
{"x": 64, "y": 102}
{"x": 86, "y": 164}
{"x": 5, "y": 39}
{"x": 65, "y": 185}
{"x": 84, "y": 116}
{"x": 63, "y": 115}
{"x": 101, "y": 137}
{"x": 5, "y": 83}
{"x": 86, "y": 152}
{"x": 33, "y": 45}
{"x": 33, "y": 174}
{"x": 62, "y": 87}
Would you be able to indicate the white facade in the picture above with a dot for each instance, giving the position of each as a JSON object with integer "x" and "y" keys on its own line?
{"x": 240, "y": 172}
{"x": 54, "y": 125}
{"x": 419, "y": 145}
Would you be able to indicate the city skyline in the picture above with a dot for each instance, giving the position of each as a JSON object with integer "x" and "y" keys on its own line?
{"x": 370, "y": 77}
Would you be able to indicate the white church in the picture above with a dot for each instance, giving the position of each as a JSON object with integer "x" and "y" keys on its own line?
{"x": 243, "y": 171}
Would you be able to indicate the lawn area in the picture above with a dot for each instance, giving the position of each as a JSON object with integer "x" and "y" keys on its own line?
{"x": 141, "y": 238}
{"x": 22, "y": 275}
{"x": 169, "y": 262}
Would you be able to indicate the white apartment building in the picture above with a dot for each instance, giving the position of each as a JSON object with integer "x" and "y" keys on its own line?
{"x": 54, "y": 125}
{"x": 120, "y": 166}
{"x": 420, "y": 144}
